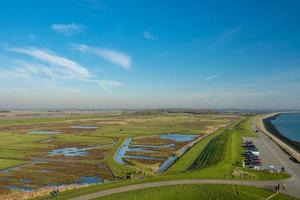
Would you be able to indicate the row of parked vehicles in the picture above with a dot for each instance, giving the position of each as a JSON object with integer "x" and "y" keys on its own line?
{"x": 251, "y": 154}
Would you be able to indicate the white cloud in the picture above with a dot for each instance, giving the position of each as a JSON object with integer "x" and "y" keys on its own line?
{"x": 210, "y": 77}
{"x": 106, "y": 85}
{"x": 48, "y": 67}
{"x": 98, "y": 5}
{"x": 148, "y": 35}
{"x": 54, "y": 60}
{"x": 68, "y": 29}
{"x": 42, "y": 71}
{"x": 110, "y": 55}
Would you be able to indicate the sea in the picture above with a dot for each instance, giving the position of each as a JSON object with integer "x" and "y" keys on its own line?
{"x": 288, "y": 124}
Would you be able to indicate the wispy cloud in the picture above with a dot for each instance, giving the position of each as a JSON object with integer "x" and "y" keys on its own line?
{"x": 54, "y": 60}
{"x": 229, "y": 33}
{"x": 110, "y": 55}
{"x": 210, "y": 77}
{"x": 97, "y": 5}
{"x": 41, "y": 71}
{"x": 227, "y": 36}
{"x": 68, "y": 29}
{"x": 148, "y": 35}
{"x": 107, "y": 85}
{"x": 49, "y": 67}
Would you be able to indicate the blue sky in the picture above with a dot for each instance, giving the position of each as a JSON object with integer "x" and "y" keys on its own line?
{"x": 149, "y": 54}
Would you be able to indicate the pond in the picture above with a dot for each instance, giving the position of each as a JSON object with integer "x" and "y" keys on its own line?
{"x": 20, "y": 188}
{"x": 122, "y": 151}
{"x": 178, "y": 137}
{"x": 143, "y": 157}
{"x": 74, "y": 151}
{"x": 128, "y": 147}
{"x": 167, "y": 163}
{"x": 43, "y": 132}
{"x": 90, "y": 180}
{"x": 153, "y": 146}
{"x": 84, "y": 127}
{"x": 140, "y": 149}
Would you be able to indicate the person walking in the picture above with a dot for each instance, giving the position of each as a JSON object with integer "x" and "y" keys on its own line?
{"x": 284, "y": 186}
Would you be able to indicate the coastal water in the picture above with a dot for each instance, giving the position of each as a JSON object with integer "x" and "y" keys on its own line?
{"x": 288, "y": 125}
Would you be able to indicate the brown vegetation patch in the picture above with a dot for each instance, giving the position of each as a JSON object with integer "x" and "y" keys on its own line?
{"x": 144, "y": 161}
{"x": 44, "y": 174}
{"x": 151, "y": 140}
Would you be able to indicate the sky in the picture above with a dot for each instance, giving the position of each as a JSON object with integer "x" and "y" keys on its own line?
{"x": 105, "y": 54}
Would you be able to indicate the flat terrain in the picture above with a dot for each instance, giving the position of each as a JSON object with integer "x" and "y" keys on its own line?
{"x": 227, "y": 167}
{"x": 54, "y": 148}
{"x": 216, "y": 159}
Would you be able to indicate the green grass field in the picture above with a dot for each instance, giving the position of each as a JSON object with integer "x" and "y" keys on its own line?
{"x": 189, "y": 157}
{"x": 212, "y": 153}
{"x": 196, "y": 192}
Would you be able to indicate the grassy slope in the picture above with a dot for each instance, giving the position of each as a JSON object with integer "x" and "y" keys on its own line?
{"x": 190, "y": 192}
{"x": 212, "y": 153}
{"x": 188, "y": 158}
{"x": 231, "y": 159}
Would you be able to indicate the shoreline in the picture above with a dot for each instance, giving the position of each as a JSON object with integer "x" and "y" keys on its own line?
{"x": 264, "y": 125}
{"x": 273, "y": 130}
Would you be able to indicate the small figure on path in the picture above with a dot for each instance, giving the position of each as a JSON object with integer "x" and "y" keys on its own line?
{"x": 284, "y": 186}
{"x": 54, "y": 193}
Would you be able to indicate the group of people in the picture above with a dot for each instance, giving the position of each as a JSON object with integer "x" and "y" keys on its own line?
{"x": 54, "y": 193}
{"x": 280, "y": 187}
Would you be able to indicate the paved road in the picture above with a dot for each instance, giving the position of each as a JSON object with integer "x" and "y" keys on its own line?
{"x": 264, "y": 184}
{"x": 266, "y": 155}
{"x": 270, "y": 150}
{"x": 281, "y": 158}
